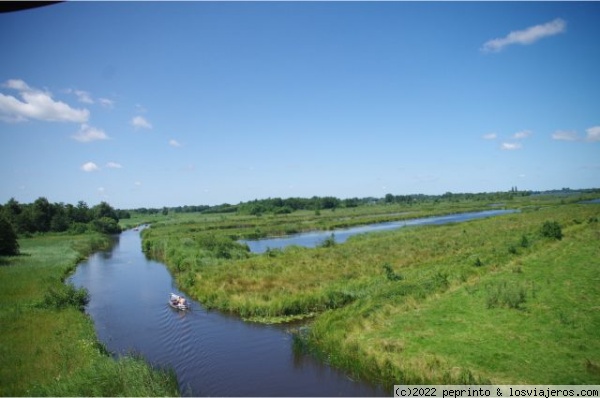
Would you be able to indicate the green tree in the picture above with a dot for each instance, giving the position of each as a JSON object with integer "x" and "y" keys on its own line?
{"x": 60, "y": 221}
{"x": 42, "y": 214}
{"x": 81, "y": 213}
{"x": 9, "y": 246}
{"x": 330, "y": 202}
{"x": 106, "y": 225}
{"x": 104, "y": 210}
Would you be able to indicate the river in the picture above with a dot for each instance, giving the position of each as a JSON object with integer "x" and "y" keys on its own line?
{"x": 313, "y": 239}
{"x": 211, "y": 353}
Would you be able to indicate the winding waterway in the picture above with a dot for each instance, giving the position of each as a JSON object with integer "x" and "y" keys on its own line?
{"x": 211, "y": 353}
{"x": 313, "y": 239}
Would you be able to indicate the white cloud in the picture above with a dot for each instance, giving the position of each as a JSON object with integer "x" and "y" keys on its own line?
{"x": 522, "y": 134}
{"x": 593, "y": 134}
{"x": 89, "y": 167}
{"x": 83, "y": 96}
{"x": 38, "y": 105}
{"x": 105, "y": 102}
{"x": 17, "y": 84}
{"x": 490, "y": 136}
{"x": 174, "y": 143}
{"x": 140, "y": 122}
{"x": 510, "y": 146}
{"x": 114, "y": 165}
{"x": 526, "y": 36}
{"x": 565, "y": 136}
{"x": 88, "y": 133}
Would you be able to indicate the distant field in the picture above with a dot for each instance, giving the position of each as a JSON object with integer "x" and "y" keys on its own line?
{"x": 489, "y": 301}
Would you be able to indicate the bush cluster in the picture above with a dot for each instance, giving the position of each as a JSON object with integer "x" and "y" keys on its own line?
{"x": 66, "y": 296}
{"x": 551, "y": 229}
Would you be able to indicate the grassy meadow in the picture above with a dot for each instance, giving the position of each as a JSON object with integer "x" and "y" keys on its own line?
{"x": 48, "y": 346}
{"x": 486, "y": 301}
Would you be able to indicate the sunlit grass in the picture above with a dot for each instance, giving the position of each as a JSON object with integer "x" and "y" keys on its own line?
{"x": 461, "y": 303}
{"x": 47, "y": 345}
{"x": 551, "y": 337}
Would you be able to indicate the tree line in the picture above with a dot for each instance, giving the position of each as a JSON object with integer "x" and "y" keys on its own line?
{"x": 43, "y": 216}
{"x": 289, "y": 205}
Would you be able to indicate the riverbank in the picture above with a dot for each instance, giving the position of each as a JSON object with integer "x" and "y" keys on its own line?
{"x": 451, "y": 304}
{"x": 48, "y": 345}
{"x": 514, "y": 307}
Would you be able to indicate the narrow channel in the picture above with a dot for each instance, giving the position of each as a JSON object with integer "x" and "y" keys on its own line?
{"x": 314, "y": 238}
{"x": 211, "y": 353}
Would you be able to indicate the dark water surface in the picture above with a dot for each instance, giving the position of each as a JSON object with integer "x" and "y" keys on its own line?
{"x": 313, "y": 239}
{"x": 211, "y": 353}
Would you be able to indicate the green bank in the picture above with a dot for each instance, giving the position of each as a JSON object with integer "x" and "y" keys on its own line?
{"x": 48, "y": 346}
{"x": 498, "y": 300}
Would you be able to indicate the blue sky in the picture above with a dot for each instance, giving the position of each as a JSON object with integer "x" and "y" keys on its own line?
{"x": 165, "y": 104}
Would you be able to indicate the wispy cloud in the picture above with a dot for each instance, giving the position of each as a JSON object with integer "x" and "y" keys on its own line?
{"x": 174, "y": 143}
{"x": 522, "y": 134}
{"x": 526, "y": 36}
{"x": 140, "y": 122}
{"x": 114, "y": 165}
{"x": 490, "y": 136}
{"x": 593, "y": 134}
{"x": 37, "y": 105}
{"x": 565, "y": 136}
{"x": 88, "y": 133}
{"x": 107, "y": 103}
{"x": 510, "y": 146}
{"x": 89, "y": 167}
{"x": 82, "y": 96}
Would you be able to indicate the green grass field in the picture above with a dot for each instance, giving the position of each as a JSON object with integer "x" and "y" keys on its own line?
{"x": 530, "y": 318}
{"x": 487, "y": 301}
{"x": 48, "y": 345}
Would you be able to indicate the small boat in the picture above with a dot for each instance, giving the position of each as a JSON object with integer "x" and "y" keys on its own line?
{"x": 178, "y": 302}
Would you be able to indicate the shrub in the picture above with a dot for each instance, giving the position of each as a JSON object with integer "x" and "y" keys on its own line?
{"x": 9, "y": 246}
{"x": 66, "y": 296}
{"x": 390, "y": 274}
{"x": 328, "y": 242}
{"x": 551, "y": 229}
{"x": 478, "y": 262}
{"x": 506, "y": 295}
{"x": 106, "y": 225}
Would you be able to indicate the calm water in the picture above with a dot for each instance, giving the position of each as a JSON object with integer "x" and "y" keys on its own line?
{"x": 313, "y": 239}
{"x": 211, "y": 353}
{"x": 593, "y": 201}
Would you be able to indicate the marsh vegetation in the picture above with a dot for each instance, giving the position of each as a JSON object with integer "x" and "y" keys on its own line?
{"x": 474, "y": 302}
{"x": 506, "y": 300}
{"x": 49, "y": 346}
